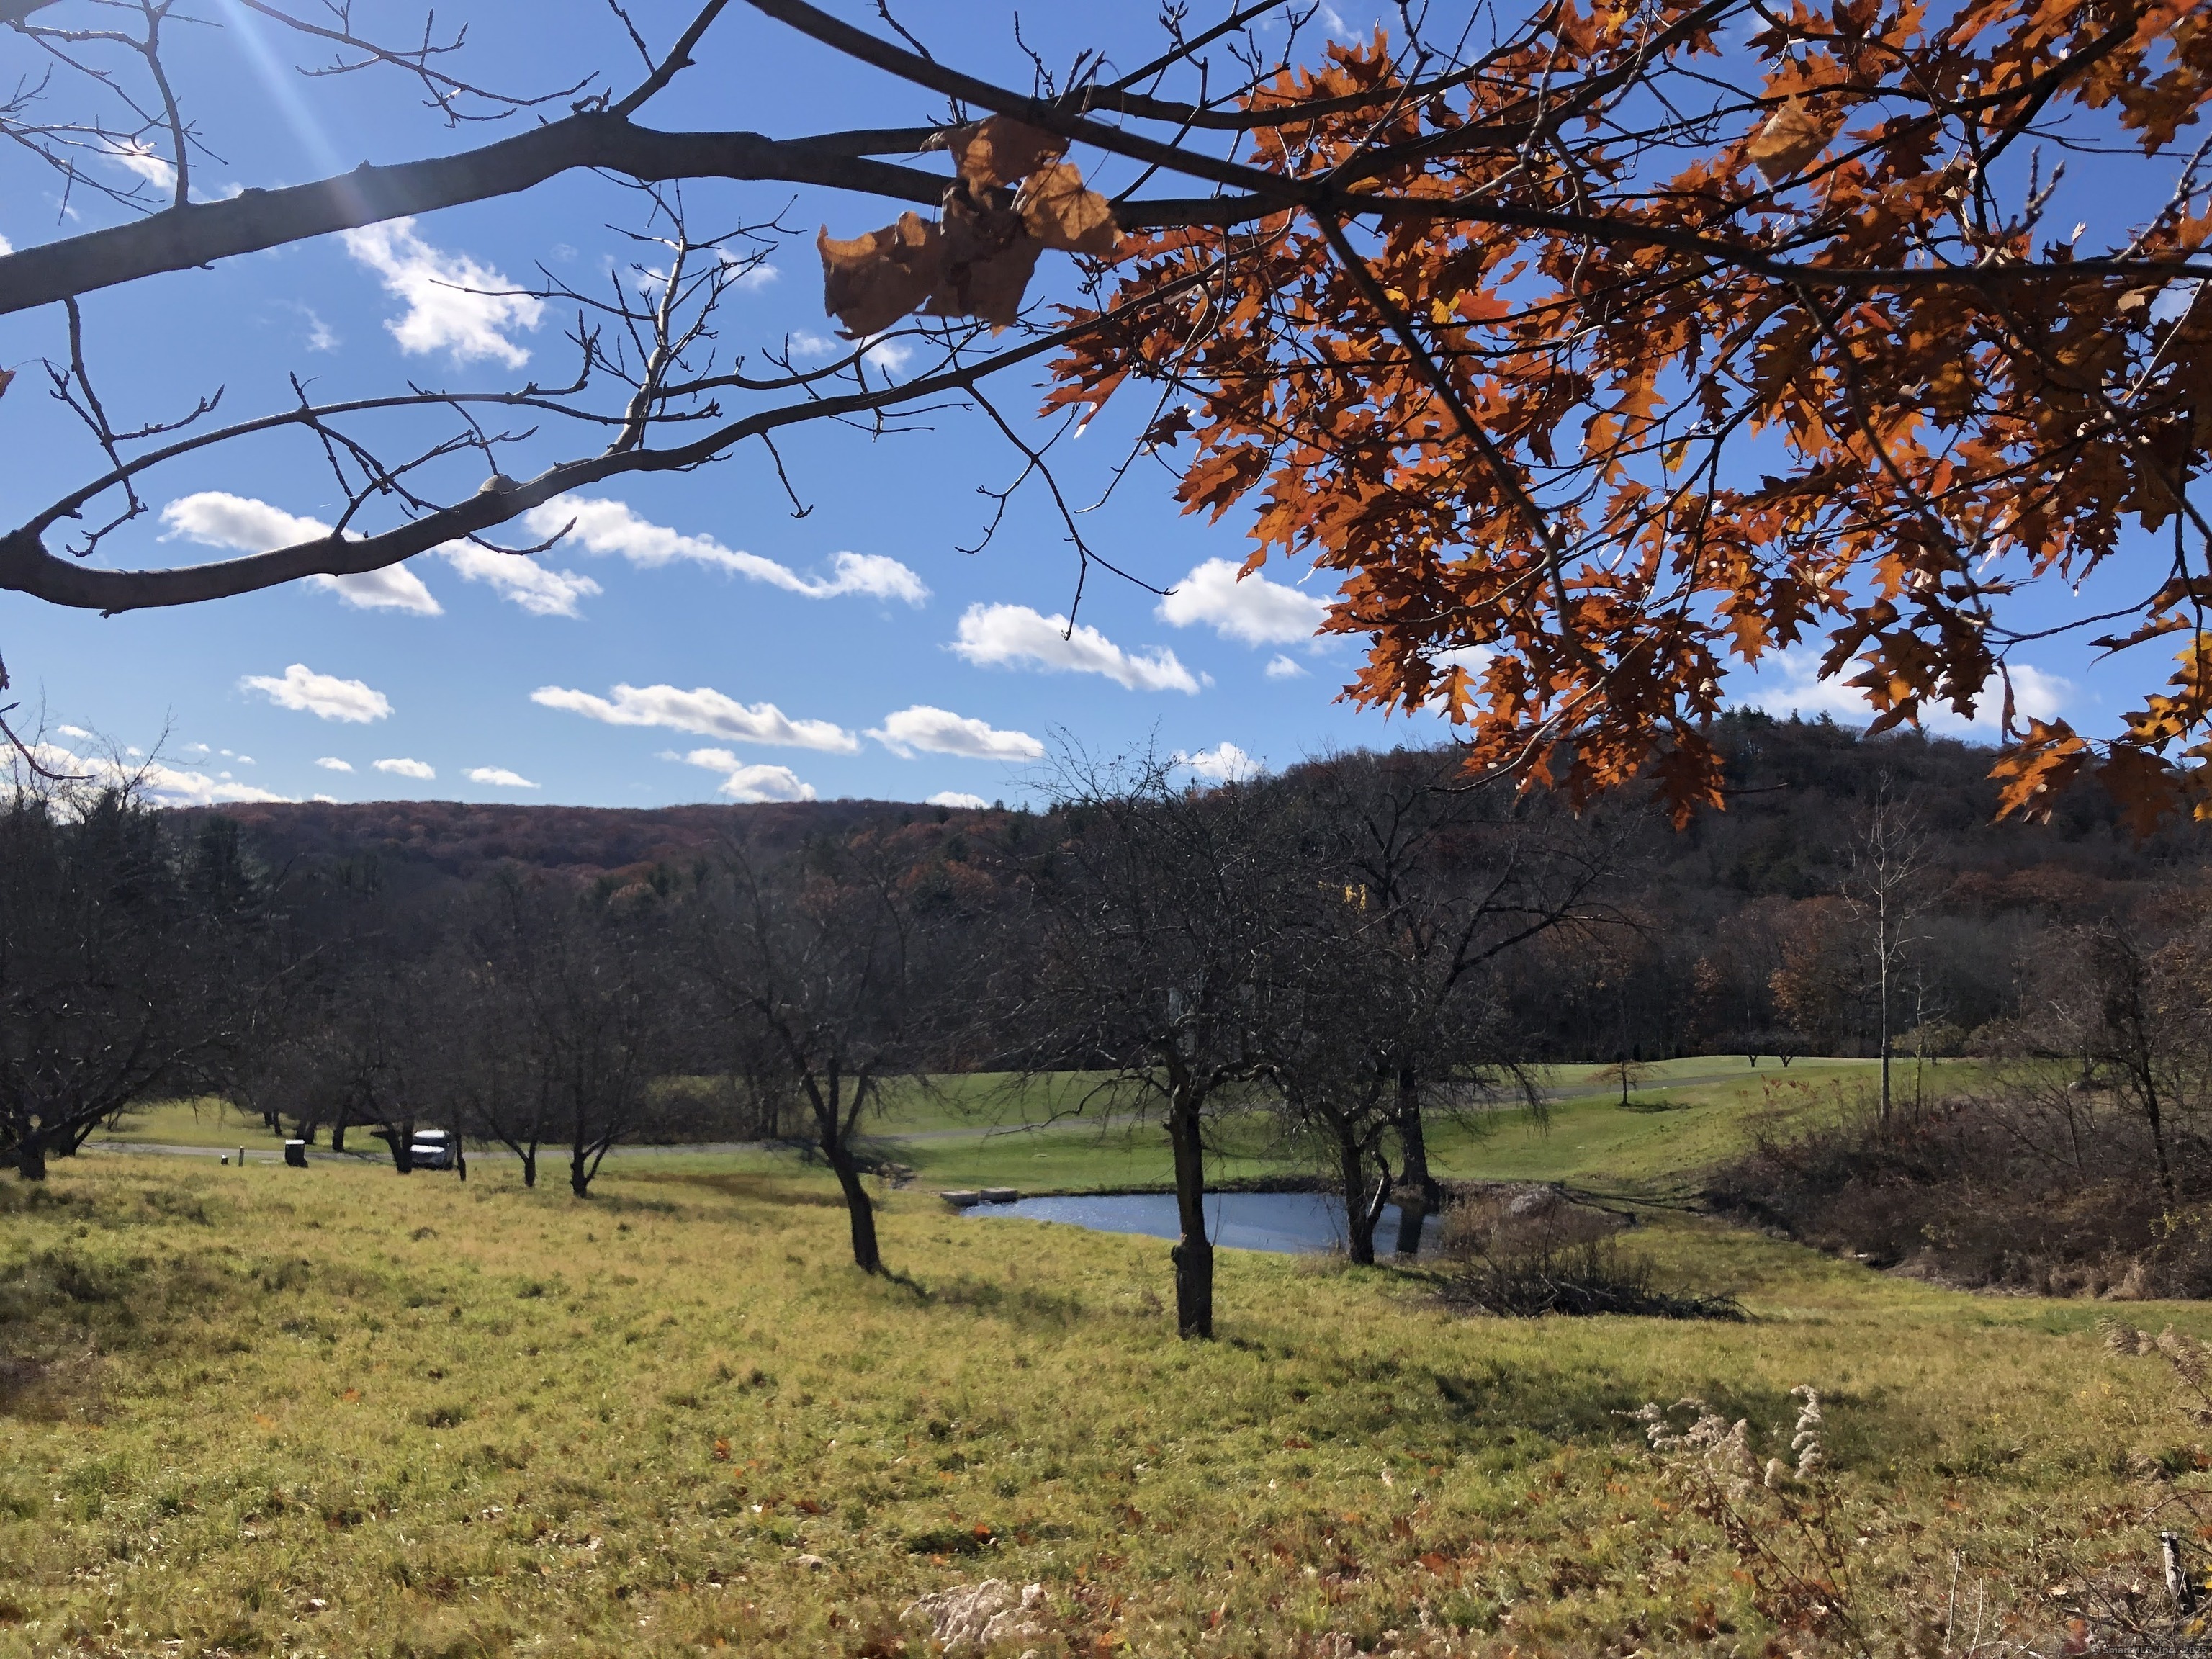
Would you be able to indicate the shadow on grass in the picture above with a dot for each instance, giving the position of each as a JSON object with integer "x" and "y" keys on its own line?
{"x": 754, "y": 1187}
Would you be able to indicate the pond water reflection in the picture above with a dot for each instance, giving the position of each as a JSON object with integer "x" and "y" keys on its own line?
{"x": 1288, "y": 1223}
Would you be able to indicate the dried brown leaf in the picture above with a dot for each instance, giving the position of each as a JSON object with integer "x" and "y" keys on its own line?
{"x": 1790, "y": 138}
{"x": 870, "y": 283}
{"x": 988, "y": 256}
{"x": 7, "y": 379}
{"x": 1001, "y": 150}
{"x": 1060, "y": 213}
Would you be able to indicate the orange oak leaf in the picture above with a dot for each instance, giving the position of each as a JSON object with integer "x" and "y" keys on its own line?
{"x": 1060, "y": 213}
{"x": 988, "y": 255}
{"x": 870, "y": 283}
{"x": 2142, "y": 785}
{"x": 2033, "y": 775}
{"x": 1001, "y": 150}
{"x": 1793, "y": 136}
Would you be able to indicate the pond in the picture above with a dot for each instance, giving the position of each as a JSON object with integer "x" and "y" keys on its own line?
{"x": 1287, "y": 1222}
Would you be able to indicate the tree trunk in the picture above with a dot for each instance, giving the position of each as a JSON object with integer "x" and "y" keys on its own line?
{"x": 1360, "y": 1214}
{"x": 1884, "y": 1036}
{"x": 2151, "y": 1110}
{"x": 866, "y": 1254}
{"x": 1192, "y": 1255}
{"x": 338, "y": 1136}
{"x": 31, "y": 1156}
{"x": 1419, "y": 1192}
{"x": 530, "y": 1168}
{"x": 580, "y": 1173}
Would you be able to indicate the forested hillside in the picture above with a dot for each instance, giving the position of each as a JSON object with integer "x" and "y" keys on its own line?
{"x": 1733, "y": 931}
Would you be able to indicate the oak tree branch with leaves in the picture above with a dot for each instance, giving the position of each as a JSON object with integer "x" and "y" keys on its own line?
{"x": 1594, "y": 353}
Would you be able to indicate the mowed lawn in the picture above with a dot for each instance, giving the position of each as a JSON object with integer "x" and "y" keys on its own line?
{"x": 339, "y": 1412}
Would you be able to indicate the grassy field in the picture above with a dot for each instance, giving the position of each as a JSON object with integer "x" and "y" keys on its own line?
{"x": 992, "y": 1131}
{"x": 333, "y": 1412}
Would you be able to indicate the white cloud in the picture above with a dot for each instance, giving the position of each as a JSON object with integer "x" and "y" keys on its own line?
{"x": 703, "y": 710}
{"x": 1282, "y": 668}
{"x": 7, "y": 247}
{"x": 82, "y": 735}
{"x": 217, "y": 519}
{"x": 333, "y": 763}
{"x": 320, "y": 337}
{"x": 395, "y": 587}
{"x": 940, "y": 731}
{"x": 1253, "y": 611}
{"x": 324, "y": 800}
{"x": 749, "y": 784}
{"x": 500, "y": 777}
{"x": 888, "y": 356}
{"x": 137, "y": 156}
{"x": 1789, "y": 681}
{"x": 454, "y": 304}
{"x": 323, "y": 695}
{"x": 954, "y": 797}
{"x": 165, "y": 785}
{"x": 400, "y": 766}
{"x": 538, "y": 590}
{"x": 221, "y": 519}
{"x": 609, "y": 527}
{"x": 174, "y": 787}
{"x": 1472, "y": 657}
{"x": 1223, "y": 763}
{"x": 992, "y": 635}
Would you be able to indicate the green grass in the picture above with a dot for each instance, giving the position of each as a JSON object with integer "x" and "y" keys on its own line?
{"x": 995, "y": 1130}
{"x": 209, "y": 1121}
{"x": 338, "y": 1412}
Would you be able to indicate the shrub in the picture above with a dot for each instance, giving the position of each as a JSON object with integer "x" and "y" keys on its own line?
{"x": 2040, "y": 1188}
{"x": 1532, "y": 1253}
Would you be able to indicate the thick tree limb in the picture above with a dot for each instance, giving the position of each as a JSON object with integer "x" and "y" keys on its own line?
{"x": 203, "y": 232}
{"x": 26, "y": 566}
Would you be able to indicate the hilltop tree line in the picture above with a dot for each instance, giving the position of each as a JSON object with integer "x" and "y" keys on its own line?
{"x": 1361, "y": 944}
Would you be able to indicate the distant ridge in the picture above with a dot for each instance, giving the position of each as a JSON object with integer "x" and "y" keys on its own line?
{"x": 466, "y": 839}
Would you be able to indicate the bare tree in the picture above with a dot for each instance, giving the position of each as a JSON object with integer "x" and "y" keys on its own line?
{"x": 826, "y": 977}
{"x": 2135, "y": 1012}
{"x": 1885, "y": 885}
{"x": 127, "y": 962}
{"x": 1454, "y": 882}
{"x": 591, "y": 974}
{"x": 1155, "y": 917}
{"x": 502, "y": 1071}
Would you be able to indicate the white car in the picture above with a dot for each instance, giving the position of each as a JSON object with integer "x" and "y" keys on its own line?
{"x": 431, "y": 1149}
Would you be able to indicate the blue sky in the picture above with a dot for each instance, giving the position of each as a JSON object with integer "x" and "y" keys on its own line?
{"x": 692, "y": 639}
